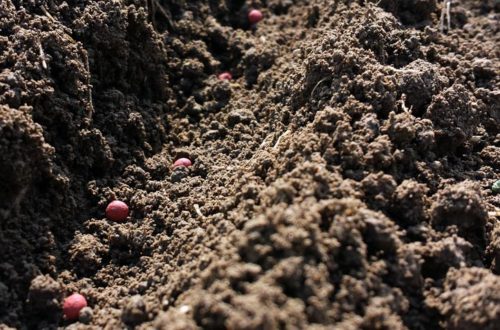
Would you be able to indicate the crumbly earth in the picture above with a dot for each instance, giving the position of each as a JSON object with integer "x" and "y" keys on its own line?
{"x": 341, "y": 180}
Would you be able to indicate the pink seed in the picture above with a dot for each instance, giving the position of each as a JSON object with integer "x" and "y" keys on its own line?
{"x": 225, "y": 76}
{"x": 117, "y": 211}
{"x": 73, "y": 305}
{"x": 182, "y": 162}
{"x": 255, "y": 16}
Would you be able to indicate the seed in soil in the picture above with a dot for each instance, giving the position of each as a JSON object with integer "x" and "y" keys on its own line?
{"x": 117, "y": 211}
{"x": 495, "y": 188}
{"x": 182, "y": 162}
{"x": 73, "y": 305}
{"x": 255, "y": 16}
{"x": 225, "y": 76}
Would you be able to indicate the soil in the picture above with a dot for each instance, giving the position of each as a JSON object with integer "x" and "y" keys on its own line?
{"x": 341, "y": 180}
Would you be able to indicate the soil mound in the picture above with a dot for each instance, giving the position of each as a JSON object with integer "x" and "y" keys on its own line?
{"x": 341, "y": 179}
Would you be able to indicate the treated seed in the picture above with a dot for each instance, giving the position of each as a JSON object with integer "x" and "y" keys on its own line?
{"x": 225, "y": 76}
{"x": 184, "y": 162}
{"x": 117, "y": 211}
{"x": 255, "y": 16}
{"x": 73, "y": 305}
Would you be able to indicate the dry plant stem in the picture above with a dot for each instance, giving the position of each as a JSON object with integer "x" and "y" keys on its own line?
{"x": 46, "y": 12}
{"x": 89, "y": 83}
{"x": 316, "y": 86}
{"x": 448, "y": 16}
{"x": 445, "y": 14}
{"x": 276, "y": 145}
{"x": 265, "y": 142}
{"x": 403, "y": 104}
{"x": 155, "y": 4}
{"x": 402, "y": 70}
{"x": 42, "y": 56}
{"x": 198, "y": 210}
{"x": 441, "y": 19}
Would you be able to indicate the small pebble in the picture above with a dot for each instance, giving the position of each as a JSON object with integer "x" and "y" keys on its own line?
{"x": 182, "y": 162}
{"x": 495, "y": 188}
{"x": 73, "y": 305}
{"x": 135, "y": 311}
{"x": 117, "y": 211}
{"x": 184, "y": 309}
{"x": 86, "y": 315}
{"x": 179, "y": 173}
{"x": 225, "y": 76}
{"x": 255, "y": 16}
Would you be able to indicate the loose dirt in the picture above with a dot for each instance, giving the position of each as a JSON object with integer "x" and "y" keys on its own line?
{"x": 341, "y": 180}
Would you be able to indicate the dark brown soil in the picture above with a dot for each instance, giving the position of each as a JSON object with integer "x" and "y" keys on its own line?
{"x": 341, "y": 180}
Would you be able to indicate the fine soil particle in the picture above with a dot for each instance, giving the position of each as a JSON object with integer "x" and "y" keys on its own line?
{"x": 342, "y": 178}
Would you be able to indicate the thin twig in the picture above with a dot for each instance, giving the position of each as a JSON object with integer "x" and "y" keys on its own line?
{"x": 402, "y": 70}
{"x": 448, "y": 15}
{"x": 164, "y": 12}
{"x": 316, "y": 86}
{"x": 265, "y": 142}
{"x": 279, "y": 139}
{"x": 46, "y": 12}
{"x": 198, "y": 211}
{"x": 445, "y": 14}
{"x": 441, "y": 19}
{"x": 89, "y": 83}
{"x": 42, "y": 56}
{"x": 403, "y": 104}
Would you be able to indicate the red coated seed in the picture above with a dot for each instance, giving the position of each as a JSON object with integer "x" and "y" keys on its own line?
{"x": 182, "y": 162}
{"x": 225, "y": 76}
{"x": 117, "y": 211}
{"x": 255, "y": 16}
{"x": 73, "y": 305}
